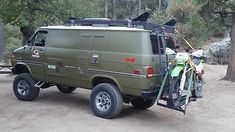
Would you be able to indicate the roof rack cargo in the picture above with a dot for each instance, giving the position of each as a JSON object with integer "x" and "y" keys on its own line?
{"x": 120, "y": 23}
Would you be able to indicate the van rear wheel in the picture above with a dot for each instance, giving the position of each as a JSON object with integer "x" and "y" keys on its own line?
{"x": 65, "y": 89}
{"x": 140, "y": 103}
{"x": 106, "y": 100}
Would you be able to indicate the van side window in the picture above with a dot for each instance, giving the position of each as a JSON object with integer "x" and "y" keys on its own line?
{"x": 156, "y": 45}
{"x": 39, "y": 39}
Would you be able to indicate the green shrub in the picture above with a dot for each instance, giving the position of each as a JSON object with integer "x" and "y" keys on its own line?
{"x": 190, "y": 24}
{"x": 159, "y": 17}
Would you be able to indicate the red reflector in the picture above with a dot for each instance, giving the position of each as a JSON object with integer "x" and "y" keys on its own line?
{"x": 150, "y": 72}
{"x": 138, "y": 71}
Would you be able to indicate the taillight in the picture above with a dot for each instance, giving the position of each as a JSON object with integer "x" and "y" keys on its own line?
{"x": 149, "y": 72}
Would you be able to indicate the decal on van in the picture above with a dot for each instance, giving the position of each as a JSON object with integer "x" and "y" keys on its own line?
{"x": 129, "y": 59}
{"x": 35, "y": 53}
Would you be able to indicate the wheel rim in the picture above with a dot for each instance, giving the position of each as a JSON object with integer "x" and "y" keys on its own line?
{"x": 103, "y": 101}
{"x": 23, "y": 87}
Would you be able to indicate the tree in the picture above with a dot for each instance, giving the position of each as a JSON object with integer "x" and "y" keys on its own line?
{"x": 139, "y": 6}
{"x": 114, "y": 6}
{"x": 1, "y": 40}
{"x": 219, "y": 14}
{"x": 230, "y": 75}
{"x": 106, "y": 8}
{"x": 215, "y": 13}
{"x": 29, "y": 14}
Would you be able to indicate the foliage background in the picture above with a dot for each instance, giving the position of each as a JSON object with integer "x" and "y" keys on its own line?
{"x": 198, "y": 20}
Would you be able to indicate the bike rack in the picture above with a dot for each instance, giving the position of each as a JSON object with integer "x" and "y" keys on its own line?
{"x": 5, "y": 69}
{"x": 181, "y": 109}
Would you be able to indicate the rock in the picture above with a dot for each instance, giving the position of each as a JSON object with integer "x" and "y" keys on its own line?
{"x": 219, "y": 51}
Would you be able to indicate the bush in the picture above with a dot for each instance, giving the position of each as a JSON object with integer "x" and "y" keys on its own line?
{"x": 190, "y": 24}
{"x": 13, "y": 40}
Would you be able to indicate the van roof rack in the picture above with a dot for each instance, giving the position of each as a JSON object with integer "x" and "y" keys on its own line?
{"x": 119, "y": 23}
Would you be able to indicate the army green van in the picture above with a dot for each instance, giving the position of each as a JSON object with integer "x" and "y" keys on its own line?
{"x": 120, "y": 61}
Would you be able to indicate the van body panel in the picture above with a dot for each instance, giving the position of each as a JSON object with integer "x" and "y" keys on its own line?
{"x": 74, "y": 56}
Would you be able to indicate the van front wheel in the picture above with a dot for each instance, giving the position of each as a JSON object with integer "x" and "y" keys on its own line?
{"x": 106, "y": 100}
{"x": 23, "y": 87}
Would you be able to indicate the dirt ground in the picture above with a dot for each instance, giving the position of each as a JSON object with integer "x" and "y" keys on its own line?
{"x": 53, "y": 111}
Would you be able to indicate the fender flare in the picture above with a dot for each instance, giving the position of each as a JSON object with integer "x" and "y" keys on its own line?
{"x": 23, "y": 64}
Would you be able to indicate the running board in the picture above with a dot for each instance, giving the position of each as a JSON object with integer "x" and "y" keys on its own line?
{"x": 39, "y": 84}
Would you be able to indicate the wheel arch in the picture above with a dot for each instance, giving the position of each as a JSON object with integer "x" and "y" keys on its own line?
{"x": 97, "y": 79}
{"x": 21, "y": 68}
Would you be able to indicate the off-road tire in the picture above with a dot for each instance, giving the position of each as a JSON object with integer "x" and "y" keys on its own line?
{"x": 172, "y": 90}
{"x": 140, "y": 103}
{"x": 23, "y": 87}
{"x": 197, "y": 92}
{"x": 108, "y": 95}
{"x": 65, "y": 89}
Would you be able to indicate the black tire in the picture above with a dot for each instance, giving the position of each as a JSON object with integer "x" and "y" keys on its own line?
{"x": 65, "y": 89}
{"x": 174, "y": 95}
{"x": 198, "y": 86}
{"x": 23, "y": 87}
{"x": 106, "y": 100}
{"x": 140, "y": 103}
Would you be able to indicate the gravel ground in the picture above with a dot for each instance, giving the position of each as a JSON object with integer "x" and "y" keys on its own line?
{"x": 53, "y": 111}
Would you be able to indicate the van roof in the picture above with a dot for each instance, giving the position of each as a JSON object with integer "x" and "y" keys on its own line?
{"x": 95, "y": 28}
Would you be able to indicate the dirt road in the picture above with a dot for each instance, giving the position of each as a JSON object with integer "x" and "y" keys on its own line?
{"x": 53, "y": 111}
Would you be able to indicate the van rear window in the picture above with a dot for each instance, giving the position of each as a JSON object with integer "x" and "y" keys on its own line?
{"x": 156, "y": 46}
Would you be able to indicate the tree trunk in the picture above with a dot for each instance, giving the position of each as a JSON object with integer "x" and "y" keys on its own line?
{"x": 160, "y": 5}
{"x": 106, "y": 9}
{"x": 128, "y": 6}
{"x": 114, "y": 4}
{"x": 26, "y": 31}
{"x": 1, "y": 41}
{"x": 139, "y": 7}
{"x": 230, "y": 75}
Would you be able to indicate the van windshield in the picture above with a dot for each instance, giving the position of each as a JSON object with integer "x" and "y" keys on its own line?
{"x": 157, "y": 44}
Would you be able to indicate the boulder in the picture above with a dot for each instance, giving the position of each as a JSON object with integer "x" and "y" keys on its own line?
{"x": 218, "y": 52}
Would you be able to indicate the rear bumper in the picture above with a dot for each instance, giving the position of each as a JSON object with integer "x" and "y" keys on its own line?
{"x": 150, "y": 93}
